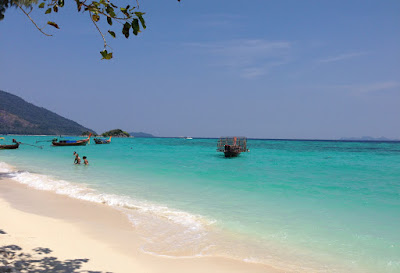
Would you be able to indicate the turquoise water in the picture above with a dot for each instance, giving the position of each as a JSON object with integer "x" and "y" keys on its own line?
{"x": 302, "y": 206}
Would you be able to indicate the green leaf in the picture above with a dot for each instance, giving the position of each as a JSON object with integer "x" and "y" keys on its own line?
{"x": 125, "y": 29}
{"x": 61, "y": 3}
{"x": 53, "y": 24}
{"x": 55, "y": 8}
{"x": 112, "y": 33}
{"x": 135, "y": 26}
{"x": 110, "y": 11}
{"x": 106, "y": 55}
{"x": 48, "y": 11}
{"x": 109, "y": 21}
{"x": 140, "y": 16}
{"x": 103, "y": 53}
{"x": 41, "y": 5}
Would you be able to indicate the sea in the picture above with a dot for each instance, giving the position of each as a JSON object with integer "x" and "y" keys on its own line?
{"x": 299, "y": 206}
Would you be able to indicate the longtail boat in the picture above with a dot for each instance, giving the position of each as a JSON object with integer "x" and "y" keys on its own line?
{"x": 10, "y": 146}
{"x": 232, "y": 146}
{"x": 81, "y": 142}
{"x": 102, "y": 140}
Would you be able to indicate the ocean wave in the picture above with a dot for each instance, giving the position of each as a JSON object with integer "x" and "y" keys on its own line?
{"x": 156, "y": 223}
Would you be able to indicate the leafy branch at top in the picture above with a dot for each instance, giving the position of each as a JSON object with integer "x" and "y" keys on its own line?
{"x": 128, "y": 18}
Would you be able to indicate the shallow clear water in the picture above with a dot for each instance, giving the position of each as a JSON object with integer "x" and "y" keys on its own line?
{"x": 303, "y": 206}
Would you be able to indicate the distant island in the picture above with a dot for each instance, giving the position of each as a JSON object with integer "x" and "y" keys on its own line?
{"x": 368, "y": 138}
{"x": 20, "y": 117}
{"x": 141, "y": 134}
{"x": 116, "y": 133}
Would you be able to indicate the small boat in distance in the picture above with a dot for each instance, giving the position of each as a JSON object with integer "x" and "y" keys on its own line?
{"x": 102, "y": 140}
{"x": 81, "y": 142}
{"x": 232, "y": 146}
{"x": 188, "y": 137}
{"x": 10, "y": 146}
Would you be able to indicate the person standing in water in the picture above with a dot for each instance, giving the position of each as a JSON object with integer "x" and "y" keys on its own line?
{"x": 85, "y": 161}
{"x": 77, "y": 159}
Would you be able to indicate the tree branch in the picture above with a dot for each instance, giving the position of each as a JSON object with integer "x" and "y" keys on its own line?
{"x": 100, "y": 12}
{"x": 33, "y": 22}
{"x": 98, "y": 29}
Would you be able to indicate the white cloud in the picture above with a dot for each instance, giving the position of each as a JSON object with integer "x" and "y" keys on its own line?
{"x": 341, "y": 57}
{"x": 249, "y": 58}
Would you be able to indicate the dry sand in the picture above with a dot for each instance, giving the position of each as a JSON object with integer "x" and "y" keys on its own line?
{"x": 45, "y": 232}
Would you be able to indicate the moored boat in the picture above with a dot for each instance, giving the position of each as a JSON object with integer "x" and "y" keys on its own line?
{"x": 102, "y": 140}
{"x": 10, "y": 146}
{"x": 81, "y": 142}
{"x": 232, "y": 146}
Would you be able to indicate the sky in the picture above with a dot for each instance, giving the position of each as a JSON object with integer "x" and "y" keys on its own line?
{"x": 259, "y": 68}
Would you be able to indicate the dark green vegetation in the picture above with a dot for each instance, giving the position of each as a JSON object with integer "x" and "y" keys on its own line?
{"x": 20, "y": 117}
{"x": 115, "y": 133}
{"x": 114, "y": 12}
{"x": 141, "y": 134}
{"x": 87, "y": 133}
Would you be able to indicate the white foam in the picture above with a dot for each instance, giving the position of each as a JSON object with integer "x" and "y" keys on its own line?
{"x": 252, "y": 260}
{"x": 168, "y": 232}
{"x": 5, "y": 168}
{"x": 190, "y": 222}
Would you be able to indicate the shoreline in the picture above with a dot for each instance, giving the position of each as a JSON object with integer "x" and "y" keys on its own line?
{"x": 76, "y": 229}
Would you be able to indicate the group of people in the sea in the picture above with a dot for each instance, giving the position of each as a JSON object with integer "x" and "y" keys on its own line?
{"x": 77, "y": 160}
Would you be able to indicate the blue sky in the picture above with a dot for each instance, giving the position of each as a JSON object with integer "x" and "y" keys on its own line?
{"x": 266, "y": 69}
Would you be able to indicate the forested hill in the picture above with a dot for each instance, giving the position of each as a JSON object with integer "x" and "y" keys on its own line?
{"x": 20, "y": 117}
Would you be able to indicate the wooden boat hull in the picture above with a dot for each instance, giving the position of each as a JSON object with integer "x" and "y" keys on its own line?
{"x": 9, "y": 147}
{"x": 231, "y": 153}
{"x": 78, "y": 143}
{"x": 102, "y": 142}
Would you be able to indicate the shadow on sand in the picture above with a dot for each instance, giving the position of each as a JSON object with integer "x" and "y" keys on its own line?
{"x": 7, "y": 175}
{"x": 14, "y": 260}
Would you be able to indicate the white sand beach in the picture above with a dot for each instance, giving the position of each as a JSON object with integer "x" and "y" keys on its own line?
{"x": 47, "y": 232}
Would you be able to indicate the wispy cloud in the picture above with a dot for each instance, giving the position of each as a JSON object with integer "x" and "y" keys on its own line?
{"x": 341, "y": 57}
{"x": 249, "y": 58}
{"x": 361, "y": 89}
{"x": 375, "y": 87}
